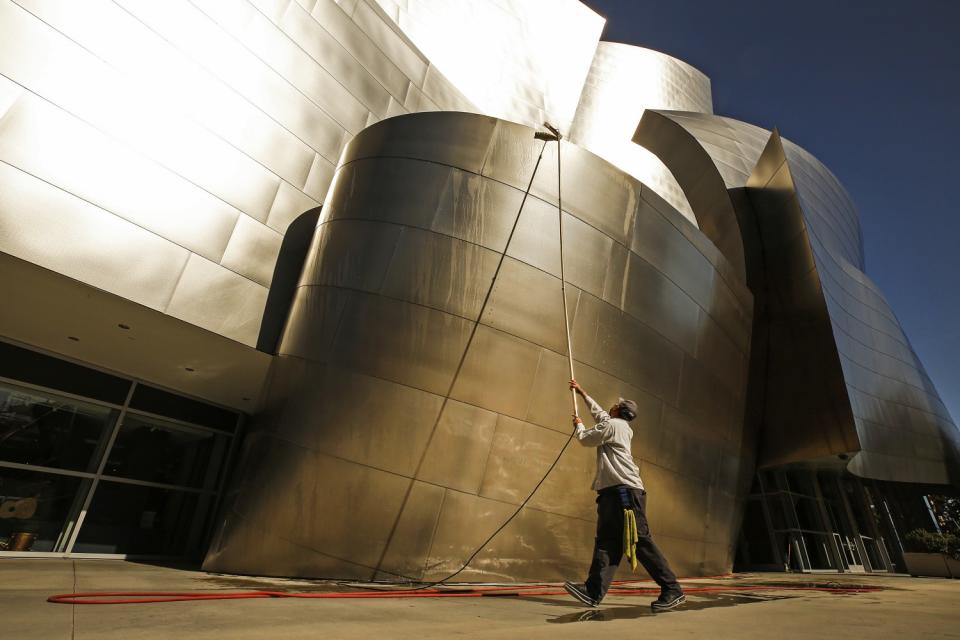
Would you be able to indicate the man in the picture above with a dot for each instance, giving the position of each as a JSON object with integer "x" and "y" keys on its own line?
{"x": 619, "y": 489}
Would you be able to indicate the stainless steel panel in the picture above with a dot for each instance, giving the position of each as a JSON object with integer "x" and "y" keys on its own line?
{"x": 528, "y": 303}
{"x": 604, "y": 197}
{"x": 549, "y": 400}
{"x": 673, "y": 502}
{"x": 659, "y": 243}
{"x": 519, "y": 457}
{"x": 439, "y": 90}
{"x": 393, "y": 45}
{"x": 440, "y": 272}
{"x": 568, "y": 490}
{"x": 380, "y": 190}
{"x": 205, "y": 289}
{"x": 460, "y": 447}
{"x": 454, "y": 139}
{"x": 689, "y": 446}
{"x": 319, "y": 177}
{"x": 536, "y": 239}
{"x": 104, "y": 101}
{"x": 512, "y": 155}
{"x": 478, "y": 210}
{"x": 209, "y": 44}
{"x": 288, "y": 477}
{"x": 408, "y": 547}
{"x": 338, "y": 421}
{"x": 40, "y": 139}
{"x": 58, "y": 231}
{"x": 297, "y": 47}
{"x": 156, "y": 74}
{"x": 615, "y": 278}
{"x": 465, "y": 522}
{"x": 720, "y": 355}
{"x": 332, "y": 19}
{"x": 288, "y": 204}
{"x": 252, "y": 250}
{"x": 354, "y": 254}
{"x": 512, "y": 556}
{"x": 583, "y": 244}
{"x": 653, "y": 299}
{"x": 401, "y": 342}
{"x": 645, "y": 359}
{"x": 498, "y": 372}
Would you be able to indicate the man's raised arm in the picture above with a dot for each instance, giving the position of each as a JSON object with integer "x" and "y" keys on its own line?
{"x": 597, "y": 435}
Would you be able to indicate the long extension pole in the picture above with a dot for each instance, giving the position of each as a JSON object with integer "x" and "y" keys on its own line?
{"x": 563, "y": 280}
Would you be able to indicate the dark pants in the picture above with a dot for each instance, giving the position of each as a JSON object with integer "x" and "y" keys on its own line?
{"x": 608, "y": 548}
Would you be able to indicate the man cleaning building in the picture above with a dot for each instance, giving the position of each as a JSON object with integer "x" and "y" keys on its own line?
{"x": 621, "y": 508}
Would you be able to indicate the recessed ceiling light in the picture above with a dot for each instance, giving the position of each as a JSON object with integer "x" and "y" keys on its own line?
{"x": 123, "y": 326}
{"x": 74, "y": 338}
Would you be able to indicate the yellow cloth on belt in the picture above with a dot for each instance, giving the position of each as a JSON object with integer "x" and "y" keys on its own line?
{"x": 630, "y": 537}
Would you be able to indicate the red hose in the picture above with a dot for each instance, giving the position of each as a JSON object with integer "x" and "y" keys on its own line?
{"x": 144, "y": 597}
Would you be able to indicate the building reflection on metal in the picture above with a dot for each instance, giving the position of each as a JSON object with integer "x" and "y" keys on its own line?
{"x": 352, "y": 472}
{"x": 843, "y": 379}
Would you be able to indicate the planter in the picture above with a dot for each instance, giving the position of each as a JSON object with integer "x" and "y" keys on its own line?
{"x": 938, "y": 565}
{"x": 953, "y": 566}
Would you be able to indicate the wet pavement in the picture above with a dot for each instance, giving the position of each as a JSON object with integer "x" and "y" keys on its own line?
{"x": 739, "y": 606}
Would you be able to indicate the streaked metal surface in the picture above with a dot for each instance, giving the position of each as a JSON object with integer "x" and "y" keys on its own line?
{"x": 381, "y": 319}
{"x": 842, "y": 378}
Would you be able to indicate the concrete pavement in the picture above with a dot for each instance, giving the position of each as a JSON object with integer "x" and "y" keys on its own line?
{"x": 903, "y": 608}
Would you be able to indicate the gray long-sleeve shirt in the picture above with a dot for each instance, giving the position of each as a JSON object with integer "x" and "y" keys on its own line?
{"x": 611, "y": 437}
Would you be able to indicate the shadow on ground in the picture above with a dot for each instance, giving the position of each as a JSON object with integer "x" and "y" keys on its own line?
{"x": 697, "y": 603}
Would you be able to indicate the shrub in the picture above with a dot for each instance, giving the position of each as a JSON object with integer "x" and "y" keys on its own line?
{"x": 922, "y": 541}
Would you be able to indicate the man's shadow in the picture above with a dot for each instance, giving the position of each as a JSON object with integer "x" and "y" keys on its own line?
{"x": 701, "y": 602}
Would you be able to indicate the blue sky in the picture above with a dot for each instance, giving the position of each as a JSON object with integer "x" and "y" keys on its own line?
{"x": 870, "y": 87}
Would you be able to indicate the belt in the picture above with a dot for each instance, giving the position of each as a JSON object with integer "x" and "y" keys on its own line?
{"x": 623, "y": 492}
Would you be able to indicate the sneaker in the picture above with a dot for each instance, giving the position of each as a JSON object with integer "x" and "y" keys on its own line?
{"x": 668, "y": 600}
{"x": 579, "y": 592}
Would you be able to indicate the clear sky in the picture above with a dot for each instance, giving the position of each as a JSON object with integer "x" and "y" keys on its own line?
{"x": 870, "y": 87}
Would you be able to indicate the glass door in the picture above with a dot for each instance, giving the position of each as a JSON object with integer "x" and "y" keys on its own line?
{"x": 851, "y": 554}
{"x": 91, "y": 477}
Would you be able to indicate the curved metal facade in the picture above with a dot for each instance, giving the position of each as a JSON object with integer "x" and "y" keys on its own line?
{"x": 622, "y": 83}
{"x": 379, "y": 456}
{"x": 887, "y": 415}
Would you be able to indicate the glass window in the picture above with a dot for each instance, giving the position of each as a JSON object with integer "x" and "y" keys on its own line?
{"x": 46, "y": 430}
{"x": 808, "y": 514}
{"x": 134, "y": 519}
{"x": 33, "y": 508}
{"x": 153, "y": 450}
